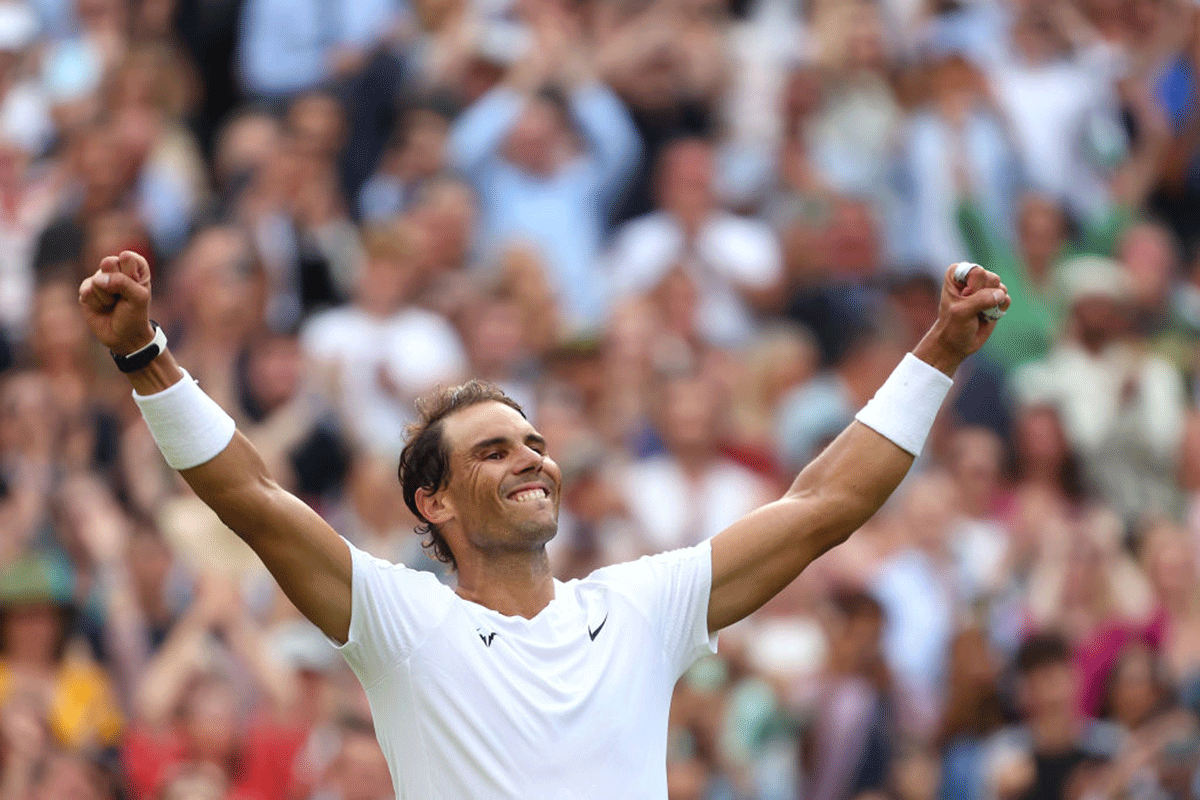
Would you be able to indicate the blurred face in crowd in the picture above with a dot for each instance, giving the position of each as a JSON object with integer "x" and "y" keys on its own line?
{"x": 916, "y": 775}
{"x": 926, "y": 514}
{"x": 424, "y": 147}
{"x": 150, "y": 563}
{"x": 362, "y": 771}
{"x": 1040, "y": 441}
{"x": 275, "y": 370}
{"x": 1085, "y": 583}
{"x": 685, "y": 181}
{"x": 197, "y": 782}
{"x": 1169, "y": 563}
{"x": 317, "y": 124}
{"x": 658, "y": 80}
{"x": 1041, "y": 231}
{"x": 538, "y": 142}
{"x": 1099, "y": 320}
{"x": 495, "y": 337}
{"x": 59, "y": 334}
{"x": 853, "y": 637}
{"x": 689, "y": 417}
{"x": 854, "y": 248}
{"x": 447, "y": 214}
{"x": 210, "y": 721}
{"x": 243, "y": 146}
{"x": 802, "y": 97}
{"x": 26, "y": 429}
{"x": 676, "y": 298}
{"x": 1135, "y": 693}
{"x": 102, "y": 166}
{"x": 392, "y": 274}
{"x": 13, "y": 163}
{"x": 70, "y": 777}
{"x": 101, "y": 15}
{"x": 216, "y": 273}
{"x": 976, "y": 458}
{"x": 1049, "y": 691}
{"x": 1149, "y": 256}
{"x": 31, "y": 634}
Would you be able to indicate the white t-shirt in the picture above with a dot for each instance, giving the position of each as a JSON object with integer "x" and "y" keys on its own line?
{"x": 469, "y": 703}
{"x": 730, "y": 253}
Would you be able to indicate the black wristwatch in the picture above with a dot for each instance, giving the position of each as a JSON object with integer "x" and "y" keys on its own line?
{"x": 142, "y": 357}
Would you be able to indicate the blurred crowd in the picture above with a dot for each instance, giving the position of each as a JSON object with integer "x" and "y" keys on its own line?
{"x": 691, "y": 237}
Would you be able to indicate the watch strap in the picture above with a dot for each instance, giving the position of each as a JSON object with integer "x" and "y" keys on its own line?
{"x": 141, "y": 358}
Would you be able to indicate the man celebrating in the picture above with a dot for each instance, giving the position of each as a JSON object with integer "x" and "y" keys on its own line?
{"x": 514, "y": 685}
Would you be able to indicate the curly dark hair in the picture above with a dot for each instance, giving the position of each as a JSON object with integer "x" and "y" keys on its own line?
{"x": 425, "y": 460}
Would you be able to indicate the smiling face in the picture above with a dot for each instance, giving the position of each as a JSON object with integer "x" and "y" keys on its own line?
{"x": 503, "y": 492}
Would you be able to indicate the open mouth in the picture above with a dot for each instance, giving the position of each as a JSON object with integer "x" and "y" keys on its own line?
{"x": 530, "y": 494}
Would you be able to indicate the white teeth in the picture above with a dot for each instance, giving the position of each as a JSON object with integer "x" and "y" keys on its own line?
{"x": 530, "y": 494}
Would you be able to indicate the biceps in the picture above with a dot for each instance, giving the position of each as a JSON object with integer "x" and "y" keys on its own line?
{"x": 756, "y": 557}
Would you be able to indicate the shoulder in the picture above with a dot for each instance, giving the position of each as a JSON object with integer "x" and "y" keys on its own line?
{"x": 650, "y": 568}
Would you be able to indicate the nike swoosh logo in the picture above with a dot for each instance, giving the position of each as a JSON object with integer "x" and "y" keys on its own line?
{"x": 595, "y": 633}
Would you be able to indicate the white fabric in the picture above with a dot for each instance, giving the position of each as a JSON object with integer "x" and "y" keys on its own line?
{"x": 1123, "y": 412}
{"x": 383, "y": 365}
{"x": 730, "y": 253}
{"x": 469, "y": 703}
{"x": 905, "y": 406}
{"x": 1049, "y": 109}
{"x": 188, "y": 426}
{"x": 673, "y": 510}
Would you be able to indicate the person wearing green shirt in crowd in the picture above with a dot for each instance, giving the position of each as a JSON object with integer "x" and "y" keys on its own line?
{"x": 1028, "y": 269}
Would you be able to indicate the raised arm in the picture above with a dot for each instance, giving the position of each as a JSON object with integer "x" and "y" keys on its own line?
{"x": 757, "y": 556}
{"x": 308, "y": 559}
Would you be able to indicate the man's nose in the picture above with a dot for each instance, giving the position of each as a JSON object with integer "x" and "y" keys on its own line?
{"x": 530, "y": 460}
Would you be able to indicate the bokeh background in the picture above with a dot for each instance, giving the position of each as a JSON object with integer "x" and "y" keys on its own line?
{"x": 692, "y": 237}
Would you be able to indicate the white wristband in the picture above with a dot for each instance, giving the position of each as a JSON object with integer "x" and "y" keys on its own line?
{"x": 905, "y": 406}
{"x": 187, "y": 425}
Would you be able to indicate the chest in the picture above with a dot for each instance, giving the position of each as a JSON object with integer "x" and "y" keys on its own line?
{"x": 550, "y": 690}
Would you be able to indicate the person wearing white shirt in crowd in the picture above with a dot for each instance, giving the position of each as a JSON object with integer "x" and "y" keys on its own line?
{"x": 690, "y": 492}
{"x": 1123, "y": 408}
{"x": 383, "y": 352}
{"x": 735, "y": 262}
{"x": 512, "y": 684}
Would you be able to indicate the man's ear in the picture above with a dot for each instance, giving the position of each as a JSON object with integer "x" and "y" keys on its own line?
{"x": 434, "y": 506}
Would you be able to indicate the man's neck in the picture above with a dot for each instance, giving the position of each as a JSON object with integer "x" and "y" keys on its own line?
{"x": 513, "y": 584}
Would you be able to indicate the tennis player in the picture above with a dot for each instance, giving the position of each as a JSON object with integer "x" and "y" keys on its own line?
{"x": 512, "y": 684}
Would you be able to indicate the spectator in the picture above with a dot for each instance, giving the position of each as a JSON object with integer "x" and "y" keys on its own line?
{"x": 383, "y": 351}
{"x": 1126, "y": 390}
{"x": 1052, "y": 734}
{"x": 707, "y": 491}
{"x": 734, "y": 262}
{"x": 958, "y": 138}
{"x": 973, "y": 712}
{"x": 1090, "y": 589}
{"x": 72, "y": 694}
{"x": 849, "y": 747}
{"x": 548, "y": 163}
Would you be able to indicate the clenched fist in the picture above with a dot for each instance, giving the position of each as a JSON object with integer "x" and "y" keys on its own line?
{"x": 116, "y": 302}
{"x": 970, "y": 308}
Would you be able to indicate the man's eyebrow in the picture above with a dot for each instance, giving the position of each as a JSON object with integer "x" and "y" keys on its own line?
{"x": 535, "y": 439}
{"x": 486, "y": 443}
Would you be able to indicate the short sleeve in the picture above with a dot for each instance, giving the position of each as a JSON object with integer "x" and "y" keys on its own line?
{"x": 672, "y": 589}
{"x": 392, "y": 609}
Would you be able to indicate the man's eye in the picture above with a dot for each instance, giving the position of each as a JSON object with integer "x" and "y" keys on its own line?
{"x": 495, "y": 455}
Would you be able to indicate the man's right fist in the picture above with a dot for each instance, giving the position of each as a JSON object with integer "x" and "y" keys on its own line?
{"x": 116, "y": 302}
